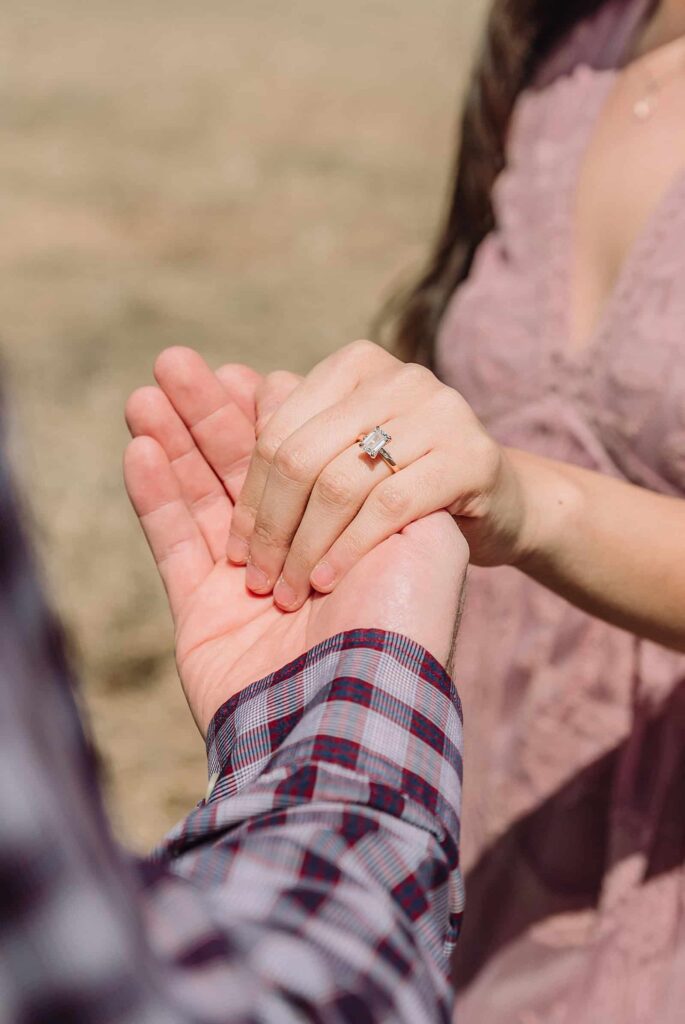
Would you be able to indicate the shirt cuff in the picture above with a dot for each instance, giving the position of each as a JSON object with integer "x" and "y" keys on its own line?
{"x": 367, "y": 721}
{"x": 368, "y": 701}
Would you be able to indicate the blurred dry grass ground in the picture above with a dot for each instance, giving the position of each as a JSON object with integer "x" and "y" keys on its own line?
{"x": 246, "y": 176}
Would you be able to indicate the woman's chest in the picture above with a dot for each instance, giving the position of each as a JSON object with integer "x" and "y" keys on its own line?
{"x": 633, "y": 160}
{"x": 506, "y": 339}
{"x": 503, "y": 347}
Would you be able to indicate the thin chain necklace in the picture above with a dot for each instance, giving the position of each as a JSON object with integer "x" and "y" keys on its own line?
{"x": 644, "y": 107}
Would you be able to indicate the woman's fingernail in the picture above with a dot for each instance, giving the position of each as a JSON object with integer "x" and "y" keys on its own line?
{"x": 323, "y": 576}
{"x": 284, "y": 595}
{"x": 238, "y": 550}
{"x": 256, "y": 579}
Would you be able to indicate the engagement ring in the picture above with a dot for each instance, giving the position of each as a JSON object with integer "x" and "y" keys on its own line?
{"x": 373, "y": 445}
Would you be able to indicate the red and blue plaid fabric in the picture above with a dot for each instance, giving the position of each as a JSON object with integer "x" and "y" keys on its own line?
{"x": 319, "y": 880}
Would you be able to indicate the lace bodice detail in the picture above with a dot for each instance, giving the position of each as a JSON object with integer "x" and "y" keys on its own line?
{"x": 505, "y": 338}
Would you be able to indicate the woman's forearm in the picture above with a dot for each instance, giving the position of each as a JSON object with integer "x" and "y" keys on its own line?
{"x": 609, "y": 547}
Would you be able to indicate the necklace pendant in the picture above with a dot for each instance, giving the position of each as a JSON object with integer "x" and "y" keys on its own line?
{"x": 642, "y": 109}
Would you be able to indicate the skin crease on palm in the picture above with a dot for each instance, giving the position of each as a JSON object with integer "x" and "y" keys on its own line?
{"x": 192, "y": 440}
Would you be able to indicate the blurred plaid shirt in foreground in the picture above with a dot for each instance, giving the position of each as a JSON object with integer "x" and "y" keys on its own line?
{"x": 318, "y": 881}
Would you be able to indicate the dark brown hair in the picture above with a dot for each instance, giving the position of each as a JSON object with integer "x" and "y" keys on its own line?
{"x": 518, "y": 35}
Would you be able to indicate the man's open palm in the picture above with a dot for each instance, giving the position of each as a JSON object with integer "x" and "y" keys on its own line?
{"x": 193, "y": 436}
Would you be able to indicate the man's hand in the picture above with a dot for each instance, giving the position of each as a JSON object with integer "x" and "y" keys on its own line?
{"x": 192, "y": 441}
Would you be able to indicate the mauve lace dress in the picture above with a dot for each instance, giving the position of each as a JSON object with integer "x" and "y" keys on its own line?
{"x": 574, "y": 817}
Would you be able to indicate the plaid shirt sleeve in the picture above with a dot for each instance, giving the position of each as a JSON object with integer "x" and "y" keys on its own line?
{"x": 318, "y": 881}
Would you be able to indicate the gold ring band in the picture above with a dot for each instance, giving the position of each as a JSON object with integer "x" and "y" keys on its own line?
{"x": 388, "y": 460}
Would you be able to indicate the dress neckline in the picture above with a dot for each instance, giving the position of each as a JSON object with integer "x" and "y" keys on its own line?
{"x": 583, "y": 356}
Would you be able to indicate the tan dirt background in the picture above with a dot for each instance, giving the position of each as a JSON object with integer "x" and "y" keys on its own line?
{"x": 250, "y": 177}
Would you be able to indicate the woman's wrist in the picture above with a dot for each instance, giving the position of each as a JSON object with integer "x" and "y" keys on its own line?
{"x": 551, "y": 504}
{"x": 495, "y": 525}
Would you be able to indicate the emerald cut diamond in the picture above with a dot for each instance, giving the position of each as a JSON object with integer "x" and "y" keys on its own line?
{"x": 371, "y": 445}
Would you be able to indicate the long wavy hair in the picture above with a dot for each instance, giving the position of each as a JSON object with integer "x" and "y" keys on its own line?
{"x": 519, "y": 34}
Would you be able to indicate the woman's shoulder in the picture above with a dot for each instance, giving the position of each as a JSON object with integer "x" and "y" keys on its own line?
{"x": 601, "y": 41}
{"x": 556, "y": 114}
{"x": 562, "y": 91}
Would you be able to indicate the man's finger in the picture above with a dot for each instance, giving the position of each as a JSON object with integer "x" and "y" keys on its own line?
{"x": 178, "y": 547}
{"x": 271, "y": 393}
{"x": 220, "y": 428}
{"x": 240, "y": 383}
{"x": 149, "y": 413}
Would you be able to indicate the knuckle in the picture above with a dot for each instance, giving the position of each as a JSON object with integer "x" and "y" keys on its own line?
{"x": 333, "y": 490}
{"x": 266, "y": 447}
{"x": 298, "y": 564}
{"x": 292, "y": 462}
{"x": 243, "y": 520}
{"x": 273, "y": 395}
{"x": 392, "y": 502}
{"x": 448, "y": 401}
{"x": 361, "y": 346}
{"x": 363, "y": 350}
{"x": 354, "y": 546}
{"x": 269, "y": 536}
{"x": 276, "y": 386}
{"x": 415, "y": 376}
{"x": 274, "y": 379}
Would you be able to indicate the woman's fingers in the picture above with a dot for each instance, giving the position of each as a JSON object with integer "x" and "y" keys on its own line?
{"x": 390, "y": 507}
{"x": 220, "y": 428}
{"x": 329, "y": 382}
{"x": 271, "y": 394}
{"x": 149, "y": 413}
{"x": 338, "y": 494}
{"x": 292, "y": 475}
{"x": 302, "y": 459}
{"x": 179, "y": 549}
{"x": 341, "y": 492}
{"x": 335, "y": 499}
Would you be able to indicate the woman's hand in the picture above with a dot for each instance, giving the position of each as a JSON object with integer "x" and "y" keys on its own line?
{"x": 313, "y": 503}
